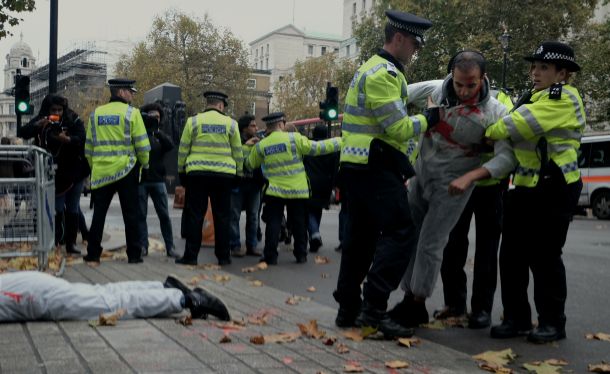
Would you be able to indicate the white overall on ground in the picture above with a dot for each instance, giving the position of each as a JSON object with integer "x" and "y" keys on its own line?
{"x": 31, "y": 296}
{"x": 445, "y": 154}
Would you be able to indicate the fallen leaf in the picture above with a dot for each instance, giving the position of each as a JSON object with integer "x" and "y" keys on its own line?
{"x": 353, "y": 368}
{"x": 408, "y": 342}
{"x": 342, "y": 348}
{"x": 367, "y": 331}
{"x": 499, "y": 357}
{"x": 262, "y": 266}
{"x": 209, "y": 267}
{"x": 259, "y": 339}
{"x": 556, "y": 362}
{"x": 330, "y": 340}
{"x": 259, "y": 318}
{"x": 111, "y": 319}
{"x": 495, "y": 368}
{"x": 599, "y": 336}
{"x": 231, "y": 325}
{"x": 354, "y": 335}
{"x": 545, "y": 367}
{"x": 311, "y": 289}
{"x": 256, "y": 283}
{"x": 599, "y": 368}
{"x": 311, "y": 329}
{"x": 186, "y": 320}
{"x": 321, "y": 260}
{"x": 194, "y": 280}
{"x": 397, "y": 364}
{"x": 287, "y": 360}
{"x": 294, "y": 299}
{"x": 225, "y": 339}
{"x": 434, "y": 325}
{"x": 221, "y": 278}
{"x": 284, "y": 337}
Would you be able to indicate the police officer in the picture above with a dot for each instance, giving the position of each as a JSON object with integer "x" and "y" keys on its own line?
{"x": 374, "y": 167}
{"x": 281, "y": 156}
{"x": 545, "y": 128}
{"x": 209, "y": 159}
{"x": 116, "y": 142}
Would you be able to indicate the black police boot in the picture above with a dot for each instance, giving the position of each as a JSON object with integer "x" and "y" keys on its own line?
{"x": 410, "y": 313}
{"x": 510, "y": 329}
{"x": 380, "y": 320}
{"x": 171, "y": 252}
{"x": 71, "y": 231}
{"x": 173, "y": 282}
{"x": 201, "y": 303}
{"x": 479, "y": 320}
{"x": 315, "y": 244}
{"x": 548, "y": 331}
{"x": 346, "y": 317}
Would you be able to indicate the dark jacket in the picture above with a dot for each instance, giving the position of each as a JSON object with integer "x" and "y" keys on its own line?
{"x": 160, "y": 144}
{"x": 70, "y": 159}
{"x": 322, "y": 172}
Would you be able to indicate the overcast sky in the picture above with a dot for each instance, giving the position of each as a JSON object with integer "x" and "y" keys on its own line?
{"x": 130, "y": 20}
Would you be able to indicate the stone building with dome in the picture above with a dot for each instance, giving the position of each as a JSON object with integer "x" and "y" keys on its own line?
{"x": 19, "y": 57}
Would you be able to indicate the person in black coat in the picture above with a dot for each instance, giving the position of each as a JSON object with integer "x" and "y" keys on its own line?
{"x": 61, "y": 132}
{"x": 322, "y": 172}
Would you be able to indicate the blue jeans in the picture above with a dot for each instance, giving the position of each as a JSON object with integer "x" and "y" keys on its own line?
{"x": 158, "y": 194}
{"x": 247, "y": 196}
{"x": 69, "y": 201}
{"x": 313, "y": 222}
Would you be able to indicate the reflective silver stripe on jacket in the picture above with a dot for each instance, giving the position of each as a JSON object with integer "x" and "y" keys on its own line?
{"x": 282, "y": 163}
{"x": 579, "y": 117}
{"x": 566, "y": 134}
{"x": 384, "y": 110}
{"x": 287, "y": 192}
{"x": 211, "y": 152}
{"x": 210, "y": 144}
{"x": 126, "y": 152}
{"x": 210, "y": 163}
{"x": 283, "y": 173}
{"x": 293, "y": 146}
{"x": 552, "y": 147}
{"x": 194, "y": 126}
{"x": 112, "y": 178}
{"x": 361, "y": 129}
{"x": 128, "y": 123}
{"x": 515, "y": 135}
{"x": 362, "y": 81}
{"x": 357, "y": 151}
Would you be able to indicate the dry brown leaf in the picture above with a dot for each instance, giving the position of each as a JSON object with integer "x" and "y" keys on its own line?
{"x": 209, "y": 267}
{"x": 221, "y": 278}
{"x": 434, "y": 325}
{"x": 259, "y": 318}
{"x": 194, "y": 280}
{"x": 111, "y": 319}
{"x": 238, "y": 322}
{"x": 353, "y": 334}
{"x": 552, "y": 366}
{"x": 599, "y": 368}
{"x": 557, "y": 362}
{"x": 262, "y": 266}
{"x": 284, "y": 337}
{"x": 321, "y": 260}
{"x": 186, "y": 320}
{"x": 295, "y": 299}
{"x": 225, "y": 339}
{"x": 498, "y": 357}
{"x": 256, "y": 283}
{"x": 259, "y": 339}
{"x": 311, "y": 289}
{"x": 495, "y": 368}
{"x": 408, "y": 342}
{"x": 353, "y": 367}
{"x": 329, "y": 340}
{"x": 599, "y": 336}
{"x": 231, "y": 325}
{"x": 397, "y": 364}
{"x": 342, "y": 348}
{"x": 311, "y": 329}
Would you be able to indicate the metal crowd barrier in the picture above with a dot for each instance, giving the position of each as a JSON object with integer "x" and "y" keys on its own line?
{"x": 27, "y": 203}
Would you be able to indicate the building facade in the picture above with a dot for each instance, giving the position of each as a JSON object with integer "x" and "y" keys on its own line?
{"x": 353, "y": 11}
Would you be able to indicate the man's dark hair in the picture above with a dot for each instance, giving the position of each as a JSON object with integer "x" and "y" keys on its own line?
{"x": 153, "y": 107}
{"x": 52, "y": 99}
{"x": 114, "y": 91}
{"x": 244, "y": 121}
{"x": 466, "y": 61}
{"x": 390, "y": 31}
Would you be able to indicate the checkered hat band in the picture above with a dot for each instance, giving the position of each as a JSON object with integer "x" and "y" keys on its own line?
{"x": 217, "y": 97}
{"x": 272, "y": 121}
{"x": 557, "y": 56}
{"x": 408, "y": 28}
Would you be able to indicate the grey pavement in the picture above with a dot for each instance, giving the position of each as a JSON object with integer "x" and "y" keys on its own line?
{"x": 163, "y": 345}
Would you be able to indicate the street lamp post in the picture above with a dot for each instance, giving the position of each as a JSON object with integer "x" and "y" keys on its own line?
{"x": 505, "y": 41}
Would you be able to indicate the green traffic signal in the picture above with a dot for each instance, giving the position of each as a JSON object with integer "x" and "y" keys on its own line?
{"x": 23, "y": 107}
{"x": 331, "y": 114}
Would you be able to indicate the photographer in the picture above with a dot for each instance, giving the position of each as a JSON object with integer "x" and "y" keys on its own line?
{"x": 61, "y": 132}
{"x": 153, "y": 179}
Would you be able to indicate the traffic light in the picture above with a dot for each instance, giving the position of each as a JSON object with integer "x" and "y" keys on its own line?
{"x": 22, "y": 95}
{"x": 329, "y": 108}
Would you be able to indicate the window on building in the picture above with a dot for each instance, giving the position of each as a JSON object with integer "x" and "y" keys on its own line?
{"x": 354, "y": 10}
{"x": 363, "y": 5}
{"x": 256, "y": 65}
{"x": 347, "y": 50}
{"x": 267, "y": 63}
{"x": 251, "y": 84}
{"x": 323, "y": 51}
{"x": 310, "y": 49}
{"x": 267, "y": 48}
{"x": 256, "y": 53}
{"x": 261, "y": 51}
{"x": 336, "y": 50}
{"x": 281, "y": 78}
{"x": 253, "y": 108}
{"x": 24, "y": 62}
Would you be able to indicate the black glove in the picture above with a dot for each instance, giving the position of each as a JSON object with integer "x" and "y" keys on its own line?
{"x": 182, "y": 179}
{"x": 433, "y": 116}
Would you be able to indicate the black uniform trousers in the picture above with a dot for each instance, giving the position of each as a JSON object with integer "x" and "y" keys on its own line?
{"x": 379, "y": 240}
{"x": 536, "y": 223}
{"x": 296, "y": 215}
{"x": 127, "y": 188}
{"x": 198, "y": 189}
{"x": 486, "y": 205}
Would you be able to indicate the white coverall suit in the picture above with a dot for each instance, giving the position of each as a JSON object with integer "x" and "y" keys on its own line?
{"x": 446, "y": 153}
{"x": 31, "y": 296}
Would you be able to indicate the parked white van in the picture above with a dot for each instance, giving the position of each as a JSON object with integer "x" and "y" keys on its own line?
{"x": 594, "y": 163}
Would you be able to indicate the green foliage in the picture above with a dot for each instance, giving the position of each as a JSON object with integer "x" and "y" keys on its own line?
{"x": 8, "y": 10}
{"x": 299, "y": 93}
{"x": 193, "y": 54}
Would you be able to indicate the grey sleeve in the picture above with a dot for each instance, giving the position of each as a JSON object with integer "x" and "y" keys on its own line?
{"x": 504, "y": 160}
{"x": 418, "y": 92}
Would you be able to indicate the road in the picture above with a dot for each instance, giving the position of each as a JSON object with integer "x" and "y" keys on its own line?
{"x": 586, "y": 256}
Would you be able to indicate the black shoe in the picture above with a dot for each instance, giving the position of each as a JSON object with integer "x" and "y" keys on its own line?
{"x": 546, "y": 334}
{"x": 251, "y": 251}
{"x": 201, "y": 303}
{"x": 380, "y": 320}
{"x": 185, "y": 261}
{"x": 510, "y": 329}
{"x": 347, "y": 317}
{"x": 89, "y": 258}
{"x": 72, "y": 249}
{"x": 173, "y": 282}
{"x": 315, "y": 244}
{"x": 136, "y": 260}
{"x": 269, "y": 261}
{"x": 448, "y": 312}
{"x": 171, "y": 253}
{"x": 237, "y": 251}
{"x": 479, "y": 320}
{"x": 301, "y": 259}
{"x": 224, "y": 261}
{"x": 410, "y": 313}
